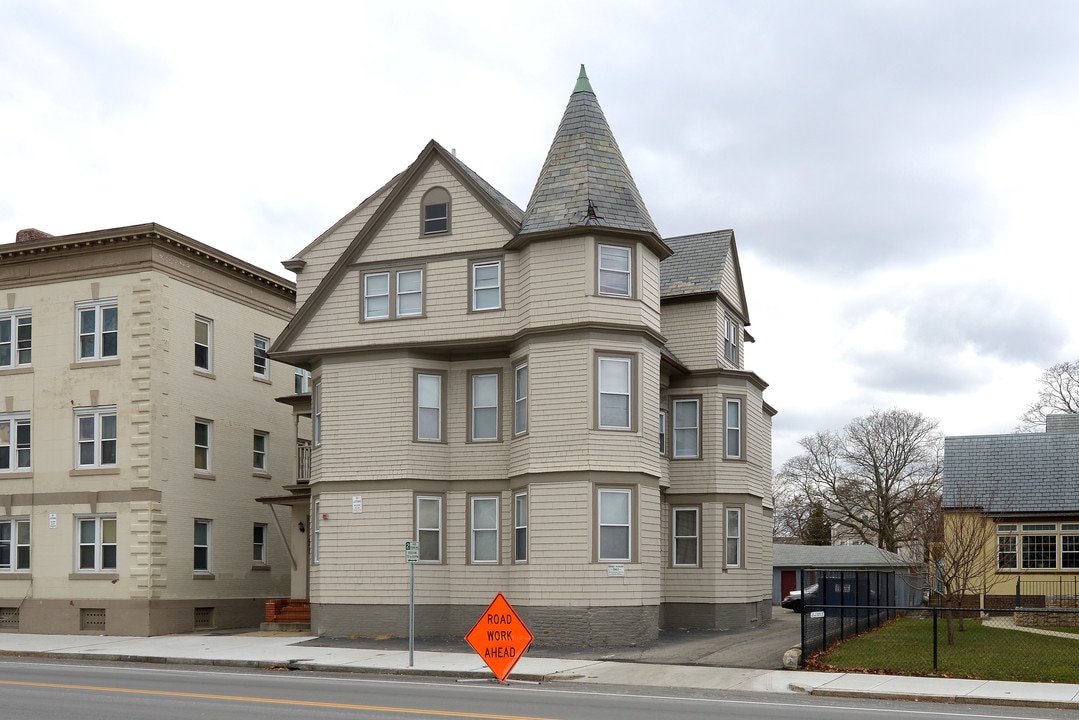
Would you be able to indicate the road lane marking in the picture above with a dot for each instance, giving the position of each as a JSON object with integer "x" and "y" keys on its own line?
{"x": 272, "y": 701}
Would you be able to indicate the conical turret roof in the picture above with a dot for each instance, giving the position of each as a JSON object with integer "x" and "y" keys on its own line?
{"x": 585, "y": 180}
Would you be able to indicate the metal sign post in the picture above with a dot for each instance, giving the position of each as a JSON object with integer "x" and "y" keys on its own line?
{"x": 412, "y": 556}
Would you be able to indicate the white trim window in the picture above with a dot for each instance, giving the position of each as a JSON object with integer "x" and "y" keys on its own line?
{"x": 615, "y": 524}
{"x": 262, "y": 359}
{"x": 202, "y": 547}
{"x": 16, "y": 330}
{"x": 260, "y": 443}
{"x": 301, "y": 381}
{"x": 730, "y": 340}
{"x": 428, "y": 407}
{"x": 487, "y": 285}
{"x": 409, "y": 293}
{"x": 429, "y": 527}
{"x": 258, "y": 544}
{"x": 316, "y": 529}
{"x": 687, "y": 428}
{"x": 733, "y": 530}
{"x": 733, "y": 436}
{"x": 615, "y": 383}
{"x": 1008, "y": 546}
{"x": 520, "y": 527}
{"x": 97, "y": 328}
{"x": 14, "y": 442}
{"x": 15, "y": 544}
{"x": 95, "y": 432}
{"x": 204, "y": 344}
{"x": 389, "y": 295}
{"x": 520, "y": 399}
{"x": 484, "y": 545}
{"x": 686, "y": 536}
{"x": 95, "y": 539}
{"x": 376, "y": 296}
{"x": 204, "y": 439}
{"x": 615, "y": 270}
{"x": 316, "y": 414}
{"x": 436, "y": 211}
{"x": 484, "y": 407}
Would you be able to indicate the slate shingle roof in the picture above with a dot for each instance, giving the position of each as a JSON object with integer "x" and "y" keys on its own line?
{"x": 834, "y": 556}
{"x": 697, "y": 264}
{"x": 1018, "y": 473}
{"x": 585, "y": 179}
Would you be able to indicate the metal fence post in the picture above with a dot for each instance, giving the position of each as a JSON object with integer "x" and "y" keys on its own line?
{"x": 935, "y": 613}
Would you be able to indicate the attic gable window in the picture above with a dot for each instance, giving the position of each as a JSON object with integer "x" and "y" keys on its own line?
{"x": 436, "y": 211}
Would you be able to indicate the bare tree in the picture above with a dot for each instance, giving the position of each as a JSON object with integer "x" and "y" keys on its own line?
{"x": 1058, "y": 392}
{"x": 796, "y": 516}
{"x": 871, "y": 476}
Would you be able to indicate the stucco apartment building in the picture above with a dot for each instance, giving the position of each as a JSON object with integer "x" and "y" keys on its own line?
{"x": 137, "y": 426}
{"x": 551, "y": 402}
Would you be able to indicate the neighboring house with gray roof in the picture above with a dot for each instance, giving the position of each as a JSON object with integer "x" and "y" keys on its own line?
{"x": 552, "y": 402}
{"x": 1027, "y": 484}
{"x": 789, "y": 562}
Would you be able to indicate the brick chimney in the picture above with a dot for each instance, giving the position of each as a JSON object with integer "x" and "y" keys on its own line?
{"x": 30, "y": 235}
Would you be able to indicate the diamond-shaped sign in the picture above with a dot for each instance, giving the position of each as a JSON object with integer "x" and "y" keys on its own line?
{"x": 500, "y": 637}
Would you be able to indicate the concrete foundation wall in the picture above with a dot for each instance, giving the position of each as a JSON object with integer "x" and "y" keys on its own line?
{"x": 710, "y": 616}
{"x": 129, "y": 617}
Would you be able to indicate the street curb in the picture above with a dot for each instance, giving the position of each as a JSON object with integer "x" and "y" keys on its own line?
{"x": 946, "y": 699}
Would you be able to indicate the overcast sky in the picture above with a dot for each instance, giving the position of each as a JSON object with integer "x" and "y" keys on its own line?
{"x": 901, "y": 176}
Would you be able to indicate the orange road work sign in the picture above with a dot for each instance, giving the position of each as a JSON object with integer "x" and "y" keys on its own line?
{"x": 500, "y": 637}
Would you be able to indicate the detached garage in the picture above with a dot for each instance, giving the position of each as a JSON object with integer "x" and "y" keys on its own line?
{"x": 789, "y": 560}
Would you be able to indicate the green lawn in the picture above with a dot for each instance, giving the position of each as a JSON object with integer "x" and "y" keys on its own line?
{"x": 905, "y": 647}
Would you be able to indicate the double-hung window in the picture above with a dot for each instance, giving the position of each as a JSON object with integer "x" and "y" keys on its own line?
{"x": 301, "y": 381}
{"x": 733, "y": 426}
{"x": 260, "y": 443}
{"x": 376, "y": 296}
{"x": 429, "y": 407}
{"x": 316, "y": 414}
{"x": 429, "y": 527}
{"x": 615, "y": 270}
{"x": 436, "y": 211}
{"x": 95, "y": 430}
{"x": 98, "y": 330}
{"x": 484, "y": 403}
{"x": 520, "y": 399}
{"x": 730, "y": 340}
{"x": 615, "y": 524}
{"x": 1069, "y": 546}
{"x": 484, "y": 529}
{"x": 409, "y": 293}
{"x": 202, "y": 550}
{"x": 685, "y": 522}
{"x": 262, "y": 361}
{"x": 663, "y": 433}
{"x": 316, "y": 529}
{"x": 733, "y": 531}
{"x": 1007, "y": 547}
{"x": 204, "y": 338}
{"x": 96, "y": 543}
{"x": 14, "y": 544}
{"x": 687, "y": 428}
{"x": 615, "y": 383}
{"x": 487, "y": 285}
{"x": 258, "y": 544}
{"x": 520, "y": 527}
{"x": 14, "y": 442}
{"x": 204, "y": 433}
{"x": 15, "y": 335}
{"x": 392, "y": 295}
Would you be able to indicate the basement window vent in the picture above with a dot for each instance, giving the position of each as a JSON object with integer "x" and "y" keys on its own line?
{"x": 204, "y": 618}
{"x": 92, "y": 619}
{"x": 9, "y": 617}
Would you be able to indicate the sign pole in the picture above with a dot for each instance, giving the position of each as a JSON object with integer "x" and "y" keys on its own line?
{"x": 411, "y": 612}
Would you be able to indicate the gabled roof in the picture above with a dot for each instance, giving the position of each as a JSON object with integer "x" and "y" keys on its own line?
{"x": 696, "y": 268}
{"x": 835, "y": 556}
{"x": 585, "y": 180}
{"x": 501, "y": 208}
{"x": 1019, "y": 473}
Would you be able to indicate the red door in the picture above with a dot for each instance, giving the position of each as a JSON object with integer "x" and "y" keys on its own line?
{"x": 788, "y": 581}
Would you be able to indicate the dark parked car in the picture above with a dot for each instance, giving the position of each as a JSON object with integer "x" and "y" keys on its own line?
{"x": 793, "y": 601}
{"x": 842, "y": 594}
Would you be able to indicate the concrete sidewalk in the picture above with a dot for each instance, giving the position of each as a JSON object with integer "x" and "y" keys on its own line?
{"x": 286, "y": 650}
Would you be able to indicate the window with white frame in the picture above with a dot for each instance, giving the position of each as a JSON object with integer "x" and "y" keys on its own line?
{"x": 685, "y": 524}
{"x": 301, "y": 381}
{"x": 484, "y": 529}
{"x": 687, "y": 428}
{"x": 520, "y": 527}
{"x": 96, "y": 543}
{"x": 316, "y": 529}
{"x": 730, "y": 340}
{"x": 260, "y": 444}
{"x": 316, "y": 414}
{"x": 436, "y": 211}
{"x": 202, "y": 548}
{"x": 16, "y": 331}
{"x": 615, "y": 383}
{"x": 663, "y": 433}
{"x": 1069, "y": 546}
{"x": 520, "y": 399}
{"x": 258, "y": 544}
{"x": 409, "y": 293}
{"x": 14, "y": 442}
{"x": 95, "y": 430}
{"x": 428, "y": 407}
{"x": 262, "y": 360}
{"x": 376, "y": 296}
{"x": 14, "y": 544}
{"x": 389, "y": 295}
{"x": 98, "y": 330}
{"x": 204, "y": 342}
{"x": 615, "y": 270}
{"x": 733, "y": 424}
{"x": 204, "y": 432}
{"x": 429, "y": 527}
{"x": 733, "y": 531}
{"x": 484, "y": 407}
{"x": 487, "y": 285}
{"x": 615, "y": 524}
{"x": 1007, "y": 546}
{"x": 1038, "y": 546}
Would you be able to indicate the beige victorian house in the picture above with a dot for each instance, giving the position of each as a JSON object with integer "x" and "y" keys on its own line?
{"x": 551, "y": 402}
{"x": 137, "y": 425}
